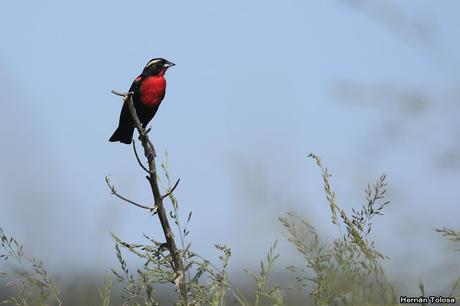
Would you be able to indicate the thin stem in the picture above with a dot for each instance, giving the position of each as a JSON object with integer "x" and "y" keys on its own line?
{"x": 114, "y": 192}
{"x": 138, "y": 159}
{"x": 171, "y": 191}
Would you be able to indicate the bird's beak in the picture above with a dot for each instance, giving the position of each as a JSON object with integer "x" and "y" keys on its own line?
{"x": 169, "y": 64}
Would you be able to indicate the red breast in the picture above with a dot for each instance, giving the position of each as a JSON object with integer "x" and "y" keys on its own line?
{"x": 152, "y": 90}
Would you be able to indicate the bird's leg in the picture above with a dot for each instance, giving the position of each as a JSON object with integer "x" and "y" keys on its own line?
{"x": 141, "y": 138}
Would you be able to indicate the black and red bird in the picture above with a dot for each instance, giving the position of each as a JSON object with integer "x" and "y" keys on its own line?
{"x": 148, "y": 91}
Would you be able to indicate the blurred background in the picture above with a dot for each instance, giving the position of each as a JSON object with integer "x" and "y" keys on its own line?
{"x": 370, "y": 86}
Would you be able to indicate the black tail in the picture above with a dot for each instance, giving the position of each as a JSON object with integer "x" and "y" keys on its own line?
{"x": 124, "y": 134}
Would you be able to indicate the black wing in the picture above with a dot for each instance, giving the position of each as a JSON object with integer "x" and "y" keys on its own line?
{"x": 125, "y": 130}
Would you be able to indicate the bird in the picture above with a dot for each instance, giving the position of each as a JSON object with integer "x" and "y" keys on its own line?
{"x": 148, "y": 90}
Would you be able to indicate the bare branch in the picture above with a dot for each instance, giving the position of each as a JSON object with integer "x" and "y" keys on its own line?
{"x": 171, "y": 191}
{"x": 119, "y": 93}
{"x": 138, "y": 159}
{"x": 114, "y": 192}
{"x": 149, "y": 152}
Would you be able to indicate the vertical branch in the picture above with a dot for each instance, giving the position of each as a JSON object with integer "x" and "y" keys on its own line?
{"x": 149, "y": 152}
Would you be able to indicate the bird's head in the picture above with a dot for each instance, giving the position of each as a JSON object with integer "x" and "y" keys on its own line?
{"x": 156, "y": 66}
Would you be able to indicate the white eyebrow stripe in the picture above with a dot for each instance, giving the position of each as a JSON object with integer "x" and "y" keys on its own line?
{"x": 152, "y": 62}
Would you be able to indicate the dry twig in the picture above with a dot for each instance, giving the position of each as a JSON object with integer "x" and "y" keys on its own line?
{"x": 114, "y": 192}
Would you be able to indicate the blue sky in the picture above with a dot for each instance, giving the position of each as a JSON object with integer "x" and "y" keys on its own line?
{"x": 257, "y": 86}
